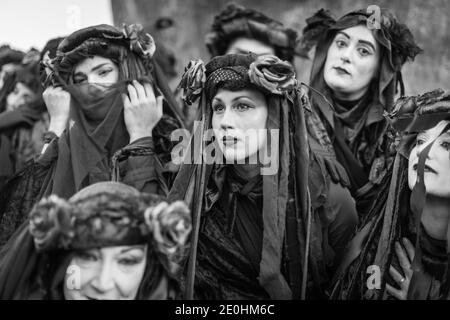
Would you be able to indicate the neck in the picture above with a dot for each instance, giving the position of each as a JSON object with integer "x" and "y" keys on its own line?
{"x": 349, "y": 96}
{"x": 436, "y": 216}
{"x": 247, "y": 171}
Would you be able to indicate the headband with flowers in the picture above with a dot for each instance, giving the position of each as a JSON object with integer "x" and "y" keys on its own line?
{"x": 267, "y": 72}
{"x": 107, "y": 220}
{"x": 132, "y": 36}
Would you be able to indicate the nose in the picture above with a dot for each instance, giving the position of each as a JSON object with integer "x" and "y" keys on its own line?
{"x": 227, "y": 120}
{"x": 104, "y": 279}
{"x": 345, "y": 54}
{"x": 92, "y": 78}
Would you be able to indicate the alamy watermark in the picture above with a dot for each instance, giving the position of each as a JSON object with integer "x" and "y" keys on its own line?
{"x": 252, "y": 146}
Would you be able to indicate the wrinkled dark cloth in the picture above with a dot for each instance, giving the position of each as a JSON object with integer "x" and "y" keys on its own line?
{"x": 83, "y": 155}
{"x": 230, "y": 242}
{"x": 359, "y": 133}
{"x": 390, "y": 220}
{"x": 21, "y": 137}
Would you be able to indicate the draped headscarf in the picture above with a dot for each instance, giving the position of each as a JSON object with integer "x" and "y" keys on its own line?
{"x": 96, "y": 126}
{"x": 12, "y": 122}
{"x": 236, "y": 21}
{"x": 285, "y": 193}
{"x": 397, "y": 211}
{"x": 367, "y": 154}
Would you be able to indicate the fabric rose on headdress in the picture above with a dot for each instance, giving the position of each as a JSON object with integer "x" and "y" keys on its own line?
{"x": 140, "y": 41}
{"x": 273, "y": 74}
{"x": 50, "y": 219}
{"x": 170, "y": 225}
{"x": 193, "y": 80}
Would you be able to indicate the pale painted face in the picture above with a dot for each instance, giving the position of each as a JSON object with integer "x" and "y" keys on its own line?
{"x": 437, "y": 165}
{"x": 244, "y": 45}
{"x": 239, "y": 119}
{"x": 20, "y": 95}
{"x": 352, "y": 62}
{"x": 110, "y": 273}
{"x": 96, "y": 70}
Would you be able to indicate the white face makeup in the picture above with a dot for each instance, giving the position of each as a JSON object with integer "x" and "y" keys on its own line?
{"x": 239, "y": 119}
{"x": 20, "y": 95}
{"x": 110, "y": 273}
{"x": 244, "y": 45}
{"x": 437, "y": 164}
{"x": 96, "y": 70}
{"x": 352, "y": 62}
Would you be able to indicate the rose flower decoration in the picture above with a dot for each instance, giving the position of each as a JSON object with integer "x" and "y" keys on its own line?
{"x": 49, "y": 220}
{"x": 170, "y": 224}
{"x": 193, "y": 80}
{"x": 140, "y": 41}
{"x": 273, "y": 74}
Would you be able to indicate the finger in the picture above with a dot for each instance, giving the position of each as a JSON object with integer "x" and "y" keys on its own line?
{"x": 396, "y": 276}
{"x": 159, "y": 105}
{"x": 402, "y": 258}
{"x": 394, "y": 292}
{"x": 126, "y": 101}
{"x": 139, "y": 90}
{"x": 132, "y": 94}
{"x": 409, "y": 249}
{"x": 149, "y": 92}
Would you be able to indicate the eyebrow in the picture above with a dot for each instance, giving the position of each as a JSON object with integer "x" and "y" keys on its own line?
{"x": 132, "y": 248}
{"x": 93, "y": 69}
{"x": 360, "y": 41}
{"x": 234, "y": 99}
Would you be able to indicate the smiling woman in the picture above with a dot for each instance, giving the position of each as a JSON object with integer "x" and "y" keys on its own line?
{"x": 108, "y": 241}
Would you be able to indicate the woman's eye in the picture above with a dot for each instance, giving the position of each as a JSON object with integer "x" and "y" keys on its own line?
{"x": 130, "y": 261}
{"x": 104, "y": 72}
{"x": 242, "y": 107}
{"x": 79, "y": 80}
{"x": 86, "y": 256}
{"x": 340, "y": 43}
{"x": 446, "y": 145}
{"x": 363, "y": 52}
{"x": 420, "y": 142}
{"x": 218, "y": 108}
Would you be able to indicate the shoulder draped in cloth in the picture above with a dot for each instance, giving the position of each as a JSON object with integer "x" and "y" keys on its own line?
{"x": 362, "y": 144}
{"x": 288, "y": 227}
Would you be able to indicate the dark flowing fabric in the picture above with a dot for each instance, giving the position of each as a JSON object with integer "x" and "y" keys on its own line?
{"x": 84, "y": 155}
{"x": 360, "y": 134}
{"x": 285, "y": 194}
{"x": 231, "y": 236}
{"x": 389, "y": 221}
{"x": 96, "y": 131}
{"x": 20, "y": 140}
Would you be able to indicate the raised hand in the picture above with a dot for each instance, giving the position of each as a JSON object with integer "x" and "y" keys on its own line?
{"x": 142, "y": 110}
{"x": 57, "y": 101}
{"x": 405, "y": 259}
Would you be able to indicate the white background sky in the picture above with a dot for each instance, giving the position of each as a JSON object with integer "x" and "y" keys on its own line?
{"x": 27, "y": 23}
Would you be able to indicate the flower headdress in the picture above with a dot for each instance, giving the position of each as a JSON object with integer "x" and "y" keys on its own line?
{"x": 236, "y": 21}
{"x": 266, "y": 72}
{"x": 132, "y": 37}
{"x": 391, "y": 33}
{"x": 416, "y": 113}
{"x": 109, "y": 214}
